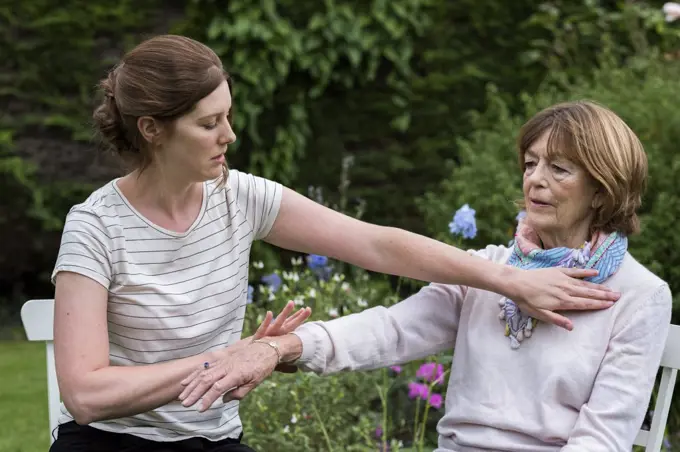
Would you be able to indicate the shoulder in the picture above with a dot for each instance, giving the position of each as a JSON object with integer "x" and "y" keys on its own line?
{"x": 634, "y": 278}
{"x": 642, "y": 294}
{"x": 97, "y": 209}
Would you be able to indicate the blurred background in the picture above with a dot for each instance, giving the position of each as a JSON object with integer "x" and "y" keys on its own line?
{"x": 399, "y": 112}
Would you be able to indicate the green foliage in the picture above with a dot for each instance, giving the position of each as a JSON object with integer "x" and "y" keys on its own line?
{"x": 283, "y": 55}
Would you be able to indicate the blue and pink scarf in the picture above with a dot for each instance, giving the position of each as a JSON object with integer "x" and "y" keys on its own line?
{"x": 604, "y": 252}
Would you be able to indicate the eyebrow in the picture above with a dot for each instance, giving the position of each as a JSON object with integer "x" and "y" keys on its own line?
{"x": 213, "y": 114}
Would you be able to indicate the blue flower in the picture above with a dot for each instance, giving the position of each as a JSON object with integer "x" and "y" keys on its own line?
{"x": 464, "y": 223}
{"x": 251, "y": 291}
{"x": 315, "y": 261}
{"x": 521, "y": 215}
{"x": 272, "y": 280}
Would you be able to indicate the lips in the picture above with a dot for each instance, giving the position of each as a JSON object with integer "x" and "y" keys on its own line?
{"x": 539, "y": 202}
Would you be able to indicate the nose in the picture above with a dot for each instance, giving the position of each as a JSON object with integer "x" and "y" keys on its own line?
{"x": 227, "y": 136}
{"x": 538, "y": 175}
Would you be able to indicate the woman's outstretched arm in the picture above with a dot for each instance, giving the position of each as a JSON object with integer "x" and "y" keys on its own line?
{"x": 305, "y": 226}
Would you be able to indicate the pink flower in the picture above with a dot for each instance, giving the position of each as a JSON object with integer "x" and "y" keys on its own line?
{"x": 431, "y": 372}
{"x": 435, "y": 400}
{"x": 417, "y": 390}
{"x": 396, "y": 369}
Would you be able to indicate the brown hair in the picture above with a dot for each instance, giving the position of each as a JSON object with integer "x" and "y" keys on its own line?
{"x": 594, "y": 137}
{"x": 163, "y": 77}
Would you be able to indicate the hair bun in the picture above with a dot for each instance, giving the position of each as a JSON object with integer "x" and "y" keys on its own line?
{"x": 108, "y": 121}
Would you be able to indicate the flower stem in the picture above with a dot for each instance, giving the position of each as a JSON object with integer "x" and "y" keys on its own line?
{"x": 323, "y": 428}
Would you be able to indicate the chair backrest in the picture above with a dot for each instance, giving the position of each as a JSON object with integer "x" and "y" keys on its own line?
{"x": 38, "y": 319}
{"x": 670, "y": 363}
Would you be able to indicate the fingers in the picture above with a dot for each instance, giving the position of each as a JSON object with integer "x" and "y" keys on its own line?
{"x": 221, "y": 388}
{"x": 191, "y": 377}
{"x": 579, "y": 272}
{"x": 264, "y": 326}
{"x": 283, "y": 315}
{"x": 587, "y": 289}
{"x": 555, "y": 319}
{"x": 296, "y": 320}
{"x": 583, "y": 304}
{"x": 200, "y": 385}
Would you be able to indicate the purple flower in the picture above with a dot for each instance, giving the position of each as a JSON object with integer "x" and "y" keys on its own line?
{"x": 315, "y": 261}
{"x": 378, "y": 432}
{"x": 435, "y": 400}
{"x": 464, "y": 223}
{"x": 417, "y": 390}
{"x": 272, "y": 280}
{"x": 431, "y": 372}
{"x": 396, "y": 369}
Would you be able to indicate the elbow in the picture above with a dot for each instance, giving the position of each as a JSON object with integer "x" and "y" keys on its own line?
{"x": 80, "y": 406}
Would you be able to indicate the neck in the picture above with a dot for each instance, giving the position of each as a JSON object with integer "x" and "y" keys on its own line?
{"x": 572, "y": 238}
{"x": 169, "y": 193}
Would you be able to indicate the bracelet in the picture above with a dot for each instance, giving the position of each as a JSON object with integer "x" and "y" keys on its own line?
{"x": 273, "y": 345}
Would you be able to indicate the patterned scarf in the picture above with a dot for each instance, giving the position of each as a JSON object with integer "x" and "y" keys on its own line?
{"x": 605, "y": 255}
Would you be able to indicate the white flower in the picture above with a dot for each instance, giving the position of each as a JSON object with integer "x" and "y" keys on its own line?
{"x": 272, "y": 297}
{"x": 286, "y": 429}
{"x": 333, "y": 312}
{"x": 296, "y": 261}
{"x": 299, "y": 301}
{"x": 312, "y": 293}
{"x": 258, "y": 264}
{"x": 337, "y": 278}
{"x": 672, "y": 11}
{"x": 344, "y": 286}
{"x": 362, "y": 303}
{"x": 293, "y": 419}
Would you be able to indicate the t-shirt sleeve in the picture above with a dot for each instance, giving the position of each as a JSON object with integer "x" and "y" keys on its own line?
{"x": 258, "y": 198}
{"x": 85, "y": 247}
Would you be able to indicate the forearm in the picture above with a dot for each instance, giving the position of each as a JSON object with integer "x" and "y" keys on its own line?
{"x": 396, "y": 251}
{"x": 423, "y": 324}
{"x": 118, "y": 391}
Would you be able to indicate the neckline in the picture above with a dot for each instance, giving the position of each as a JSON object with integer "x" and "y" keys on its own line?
{"x": 161, "y": 229}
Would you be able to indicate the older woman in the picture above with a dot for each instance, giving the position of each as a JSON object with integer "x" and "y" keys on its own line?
{"x": 519, "y": 385}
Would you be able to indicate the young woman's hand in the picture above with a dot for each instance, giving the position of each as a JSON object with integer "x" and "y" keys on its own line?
{"x": 540, "y": 292}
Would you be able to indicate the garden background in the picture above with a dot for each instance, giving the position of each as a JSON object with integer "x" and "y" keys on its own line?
{"x": 399, "y": 112}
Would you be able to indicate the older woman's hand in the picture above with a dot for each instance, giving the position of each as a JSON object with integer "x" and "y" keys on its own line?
{"x": 239, "y": 368}
{"x": 565, "y": 293}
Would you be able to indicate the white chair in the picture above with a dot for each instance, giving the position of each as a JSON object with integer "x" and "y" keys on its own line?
{"x": 670, "y": 363}
{"x": 38, "y": 319}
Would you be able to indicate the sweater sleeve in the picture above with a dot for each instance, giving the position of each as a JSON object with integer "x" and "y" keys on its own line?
{"x": 421, "y": 325}
{"x": 612, "y": 417}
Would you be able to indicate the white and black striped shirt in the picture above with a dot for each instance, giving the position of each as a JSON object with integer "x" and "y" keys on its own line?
{"x": 171, "y": 295}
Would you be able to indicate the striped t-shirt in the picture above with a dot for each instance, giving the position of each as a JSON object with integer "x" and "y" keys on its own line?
{"x": 171, "y": 295}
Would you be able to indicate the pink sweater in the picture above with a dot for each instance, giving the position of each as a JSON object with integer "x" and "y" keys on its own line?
{"x": 585, "y": 390}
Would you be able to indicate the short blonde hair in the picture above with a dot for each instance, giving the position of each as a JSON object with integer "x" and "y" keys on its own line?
{"x": 594, "y": 137}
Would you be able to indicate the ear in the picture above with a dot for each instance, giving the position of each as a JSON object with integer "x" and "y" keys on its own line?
{"x": 150, "y": 129}
{"x": 598, "y": 199}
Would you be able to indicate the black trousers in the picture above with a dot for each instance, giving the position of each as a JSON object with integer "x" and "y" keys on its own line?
{"x": 78, "y": 438}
